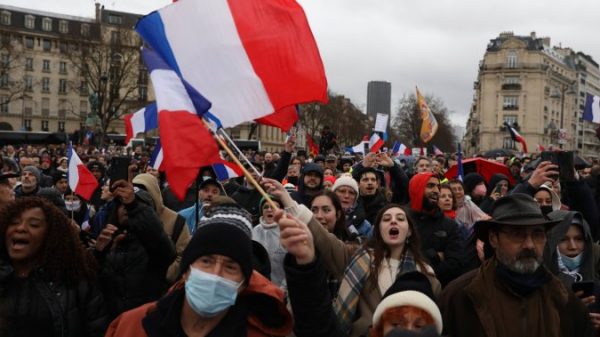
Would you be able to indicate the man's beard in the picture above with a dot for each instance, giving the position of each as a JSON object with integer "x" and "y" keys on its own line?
{"x": 428, "y": 205}
{"x": 527, "y": 262}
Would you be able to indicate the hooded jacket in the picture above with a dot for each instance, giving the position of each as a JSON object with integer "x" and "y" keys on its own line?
{"x": 438, "y": 234}
{"x": 168, "y": 218}
{"x": 260, "y": 306}
{"x": 300, "y": 195}
{"x": 486, "y": 204}
{"x": 589, "y": 268}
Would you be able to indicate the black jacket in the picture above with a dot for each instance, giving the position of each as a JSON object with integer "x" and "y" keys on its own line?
{"x": 249, "y": 199}
{"x": 280, "y": 171}
{"x": 440, "y": 234}
{"x": 300, "y": 196}
{"x": 76, "y": 310}
{"x": 133, "y": 272}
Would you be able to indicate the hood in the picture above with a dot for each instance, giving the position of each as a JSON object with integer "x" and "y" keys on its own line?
{"x": 416, "y": 190}
{"x": 556, "y": 204}
{"x": 471, "y": 180}
{"x": 151, "y": 185}
{"x": 309, "y": 167}
{"x": 587, "y": 269}
{"x": 494, "y": 180}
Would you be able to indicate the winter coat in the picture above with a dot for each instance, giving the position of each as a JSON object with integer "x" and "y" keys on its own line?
{"x": 76, "y": 311}
{"x": 249, "y": 199}
{"x": 301, "y": 196}
{"x": 438, "y": 234}
{"x": 168, "y": 218}
{"x": 258, "y": 311}
{"x": 478, "y": 304}
{"x": 280, "y": 171}
{"x": 268, "y": 236}
{"x": 134, "y": 271}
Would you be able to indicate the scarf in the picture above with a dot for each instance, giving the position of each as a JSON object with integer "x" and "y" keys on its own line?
{"x": 523, "y": 284}
{"x": 577, "y": 277}
{"x": 355, "y": 278}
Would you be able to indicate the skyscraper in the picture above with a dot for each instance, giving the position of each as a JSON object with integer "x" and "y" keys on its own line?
{"x": 379, "y": 96}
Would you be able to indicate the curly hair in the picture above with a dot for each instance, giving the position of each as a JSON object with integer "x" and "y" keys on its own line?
{"x": 381, "y": 250}
{"x": 62, "y": 255}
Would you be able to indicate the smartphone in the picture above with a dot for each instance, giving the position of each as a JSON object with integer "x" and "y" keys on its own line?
{"x": 587, "y": 287}
{"x": 119, "y": 169}
{"x": 566, "y": 165}
{"x": 366, "y": 148}
{"x": 550, "y": 156}
{"x": 498, "y": 189}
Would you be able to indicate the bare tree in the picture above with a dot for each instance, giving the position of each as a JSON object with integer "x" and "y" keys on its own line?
{"x": 406, "y": 125}
{"x": 110, "y": 73}
{"x": 12, "y": 66}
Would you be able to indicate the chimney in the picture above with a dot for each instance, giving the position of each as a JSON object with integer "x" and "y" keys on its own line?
{"x": 546, "y": 41}
{"x": 98, "y": 12}
{"x": 532, "y": 35}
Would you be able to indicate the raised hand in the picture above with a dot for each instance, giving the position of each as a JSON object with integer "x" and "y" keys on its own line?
{"x": 295, "y": 237}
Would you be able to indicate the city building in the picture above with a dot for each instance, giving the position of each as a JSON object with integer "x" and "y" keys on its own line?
{"x": 271, "y": 138}
{"x": 59, "y": 73}
{"x": 532, "y": 86}
{"x": 379, "y": 98}
{"x": 588, "y": 82}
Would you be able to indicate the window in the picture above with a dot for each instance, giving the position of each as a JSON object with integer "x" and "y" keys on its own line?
{"x": 61, "y": 126}
{"x": 47, "y": 24}
{"x": 143, "y": 92}
{"x": 47, "y": 44}
{"x": 115, "y": 19}
{"x": 29, "y": 42}
{"x": 45, "y": 106}
{"x": 45, "y": 84}
{"x": 62, "y": 67}
{"x": 44, "y": 125}
{"x": 63, "y": 47}
{"x": 4, "y": 79}
{"x": 508, "y": 143}
{"x": 511, "y": 119}
{"x": 511, "y": 80}
{"x": 510, "y": 103}
{"x": 62, "y": 108}
{"x": 62, "y": 86}
{"x": 46, "y": 66}
{"x": 83, "y": 88}
{"x": 4, "y": 100}
{"x": 115, "y": 37}
{"x": 5, "y": 61}
{"x": 29, "y": 63}
{"x": 28, "y": 83}
{"x": 83, "y": 105}
{"x": 511, "y": 59}
{"x": 5, "y": 18}
{"x": 27, "y": 124}
{"x": 63, "y": 26}
{"x": 85, "y": 29}
{"x": 29, "y": 21}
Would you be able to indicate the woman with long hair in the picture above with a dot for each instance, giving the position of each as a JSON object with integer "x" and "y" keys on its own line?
{"x": 327, "y": 209}
{"x": 47, "y": 279}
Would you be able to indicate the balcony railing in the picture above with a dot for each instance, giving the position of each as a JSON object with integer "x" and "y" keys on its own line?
{"x": 511, "y": 86}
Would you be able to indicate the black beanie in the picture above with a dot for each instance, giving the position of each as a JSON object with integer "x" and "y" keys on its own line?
{"x": 414, "y": 280}
{"x": 471, "y": 180}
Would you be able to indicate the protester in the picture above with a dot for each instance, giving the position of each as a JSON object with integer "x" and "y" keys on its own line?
{"x": 346, "y": 189}
{"x": 60, "y": 182}
{"x": 475, "y": 187}
{"x": 446, "y": 201}
{"x": 47, "y": 278}
{"x": 513, "y": 286}
{"x": 30, "y": 177}
{"x": 247, "y": 195}
{"x": 267, "y": 234}
{"x": 217, "y": 293}
{"x": 328, "y": 182}
{"x": 310, "y": 184}
{"x": 208, "y": 189}
{"x": 498, "y": 186}
{"x": 422, "y": 164}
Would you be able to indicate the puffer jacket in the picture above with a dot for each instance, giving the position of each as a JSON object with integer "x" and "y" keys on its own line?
{"x": 168, "y": 218}
{"x": 77, "y": 311}
{"x": 133, "y": 271}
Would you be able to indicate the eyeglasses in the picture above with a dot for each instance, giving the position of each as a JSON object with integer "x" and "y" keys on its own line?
{"x": 538, "y": 235}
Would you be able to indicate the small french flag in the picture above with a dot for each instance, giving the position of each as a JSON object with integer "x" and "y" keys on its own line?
{"x": 375, "y": 142}
{"x": 143, "y": 120}
{"x": 591, "y": 111}
{"x": 81, "y": 180}
{"x": 227, "y": 170}
{"x": 437, "y": 151}
{"x": 399, "y": 149}
{"x": 157, "y": 156}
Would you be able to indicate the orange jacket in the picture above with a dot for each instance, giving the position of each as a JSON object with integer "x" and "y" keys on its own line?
{"x": 130, "y": 323}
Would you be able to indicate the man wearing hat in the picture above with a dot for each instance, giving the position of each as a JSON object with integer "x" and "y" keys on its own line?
{"x": 209, "y": 188}
{"x": 60, "y": 182}
{"x": 512, "y": 293}
{"x": 331, "y": 162}
{"x": 309, "y": 184}
{"x": 6, "y": 192}
{"x": 30, "y": 178}
{"x": 346, "y": 189}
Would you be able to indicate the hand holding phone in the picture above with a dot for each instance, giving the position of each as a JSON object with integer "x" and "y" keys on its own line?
{"x": 587, "y": 287}
{"x": 118, "y": 170}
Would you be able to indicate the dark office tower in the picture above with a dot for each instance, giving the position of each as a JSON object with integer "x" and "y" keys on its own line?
{"x": 379, "y": 96}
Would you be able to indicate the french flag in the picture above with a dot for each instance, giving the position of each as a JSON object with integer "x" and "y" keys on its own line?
{"x": 186, "y": 142}
{"x": 375, "y": 142}
{"x": 81, "y": 180}
{"x": 516, "y": 137}
{"x": 399, "y": 148}
{"x": 156, "y": 158}
{"x": 360, "y": 148}
{"x": 591, "y": 111}
{"x": 227, "y": 170}
{"x": 250, "y": 58}
{"x": 437, "y": 151}
{"x": 143, "y": 120}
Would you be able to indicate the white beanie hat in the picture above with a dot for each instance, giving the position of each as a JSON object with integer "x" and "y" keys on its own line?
{"x": 345, "y": 180}
{"x": 410, "y": 298}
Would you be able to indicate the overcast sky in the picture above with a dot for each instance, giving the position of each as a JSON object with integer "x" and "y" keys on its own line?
{"x": 433, "y": 44}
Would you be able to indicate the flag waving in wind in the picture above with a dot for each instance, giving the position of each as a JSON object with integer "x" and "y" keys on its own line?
{"x": 591, "y": 111}
{"x": 430, "y": 125}
{"x": 250, "y": 58}
{"x": 375, "y": 142}
{"x": 313, "y": 149}
{"x": 81, "y": 180}
{"x": 399, "y": 148}
{"x": 186, "y": 142}
{"x": 516, "y": 137}
{"x": 143, "y": 120}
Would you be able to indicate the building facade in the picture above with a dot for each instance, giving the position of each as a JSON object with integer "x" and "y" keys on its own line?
{"x": 379, "y": 98}
{"x": 530, "y": 85}
{"x": 588, "y": 82}
{"x": 59, "y": 72}
{"x": 271, "y": 139}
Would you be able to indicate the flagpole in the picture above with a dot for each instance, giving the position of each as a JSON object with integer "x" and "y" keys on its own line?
{"x": 246, "y": 172}
{"x": 230, "y": 141}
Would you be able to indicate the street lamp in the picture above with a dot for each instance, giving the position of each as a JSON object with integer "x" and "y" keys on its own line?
{"x": 95, "y": 101}
{"x": 560, "y": 93}
{"x": 553, "y": 131}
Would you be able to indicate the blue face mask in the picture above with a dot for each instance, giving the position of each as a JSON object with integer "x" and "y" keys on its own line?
{"x": 571, "y": 263}
{"x": 209, "y": 294}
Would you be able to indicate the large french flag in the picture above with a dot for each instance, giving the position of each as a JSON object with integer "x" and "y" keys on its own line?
{"x": 186, "y": 142}
{"x": 81, "y": 180}
{"x": 143, "y": 120}
{"x": 375, "y": 142}
{"x": 250, "y": 58}
{"x": 591, "y": 111}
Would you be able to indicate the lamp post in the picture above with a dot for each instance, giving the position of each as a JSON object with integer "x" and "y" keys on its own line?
{"x": 564, "y": 89}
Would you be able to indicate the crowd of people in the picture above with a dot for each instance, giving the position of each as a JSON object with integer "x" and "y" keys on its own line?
{"x": 343, "y": 245}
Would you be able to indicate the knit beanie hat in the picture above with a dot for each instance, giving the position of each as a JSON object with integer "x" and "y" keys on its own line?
{"x": 471, "y": 180}
{"x": 224, "y": 230}
{"x": 33, "y": 170}
{"x": 331, "y": 179}
{"x": 345, "y": 180}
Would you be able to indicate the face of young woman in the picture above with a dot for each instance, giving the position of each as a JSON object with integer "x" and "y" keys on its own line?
{"x": 573, "y": 243}
{"x": 394, "y": 228}
{"x": 445, "y": 200}
{"x": 324, "y": 212}
{"x": 25, "y": 235}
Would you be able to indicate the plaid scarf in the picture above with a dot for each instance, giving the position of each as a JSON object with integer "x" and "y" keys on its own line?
{"x": 355, "y": 278}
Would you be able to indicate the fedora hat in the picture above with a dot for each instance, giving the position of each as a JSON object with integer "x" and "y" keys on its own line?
{"x": 515, "y": 210}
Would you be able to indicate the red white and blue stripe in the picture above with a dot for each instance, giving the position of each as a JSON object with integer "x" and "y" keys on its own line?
{"x": 143, "y": 120}
{"x": 591, "y": 111}
{"x": 250, "y": 58}
{"x": 375, "y": 142}
{"x": 157, "y": 156}
{"x": 227, "y": 170}
{"x": 81, "y": 180}
{"x": 399, "y": 148}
